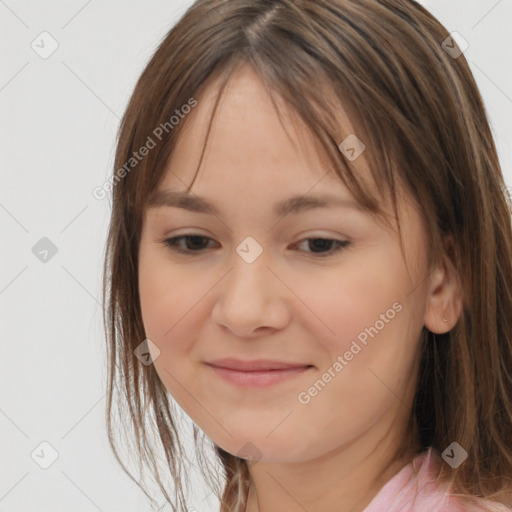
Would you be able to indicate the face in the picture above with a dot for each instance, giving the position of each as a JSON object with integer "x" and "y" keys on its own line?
{"x": 326, "y": 288}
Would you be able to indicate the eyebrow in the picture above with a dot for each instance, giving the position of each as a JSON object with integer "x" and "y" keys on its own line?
{"x": 295, "y": 204}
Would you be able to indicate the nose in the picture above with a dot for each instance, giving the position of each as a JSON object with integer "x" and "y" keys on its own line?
{"x": 251, "y": 300}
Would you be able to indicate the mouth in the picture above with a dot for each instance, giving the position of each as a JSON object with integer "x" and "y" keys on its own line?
{"x": 257, "y": 373}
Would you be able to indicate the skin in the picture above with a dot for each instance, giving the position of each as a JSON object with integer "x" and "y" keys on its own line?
{"x": 335, "y": 452}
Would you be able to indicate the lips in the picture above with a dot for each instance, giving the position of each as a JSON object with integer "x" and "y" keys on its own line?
{"x": 256, "y": 365}
{"x": 258, "y": 373}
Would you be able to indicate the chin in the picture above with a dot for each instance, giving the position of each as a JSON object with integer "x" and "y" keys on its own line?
{"x": 261, "y": 448}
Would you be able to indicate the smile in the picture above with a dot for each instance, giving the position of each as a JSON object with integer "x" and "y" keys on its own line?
{"x": 257, "y": 378}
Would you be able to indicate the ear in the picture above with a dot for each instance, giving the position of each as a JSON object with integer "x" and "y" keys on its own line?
{"x": 444, "y": 296}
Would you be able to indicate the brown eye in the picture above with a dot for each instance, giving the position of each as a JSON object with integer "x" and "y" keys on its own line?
{"x": 322, "y": 247}
{"x": 196, "y": 243}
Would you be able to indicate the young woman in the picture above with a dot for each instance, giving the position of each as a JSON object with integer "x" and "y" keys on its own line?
{"x": 310, "y": 252}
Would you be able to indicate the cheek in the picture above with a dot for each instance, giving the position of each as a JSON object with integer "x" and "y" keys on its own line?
{"x": 170, "y": 305}
{"x": 166, "y": 298}
{"x": 373, "y": 348}
{"x": 348, "y": 301}
{"x": 367, "y": 315}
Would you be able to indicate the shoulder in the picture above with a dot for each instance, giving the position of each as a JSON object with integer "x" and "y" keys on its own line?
{"x": 415, "y": 489}
{"x": 464, "y": 504}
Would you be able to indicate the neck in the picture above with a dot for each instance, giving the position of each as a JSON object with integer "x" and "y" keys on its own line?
{"x": 344, "y": 480}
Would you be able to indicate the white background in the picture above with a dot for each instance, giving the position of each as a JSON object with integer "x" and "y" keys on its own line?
{"x": 59, "y": 118}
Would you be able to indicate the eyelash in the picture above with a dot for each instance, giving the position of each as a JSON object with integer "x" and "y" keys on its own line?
{"x": 172, "y": 244}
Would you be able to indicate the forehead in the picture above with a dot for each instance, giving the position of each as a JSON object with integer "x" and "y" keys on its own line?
{"x": 251, "y": 142}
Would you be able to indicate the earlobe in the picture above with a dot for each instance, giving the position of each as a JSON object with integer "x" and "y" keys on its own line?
{"x": 443, "y": 302}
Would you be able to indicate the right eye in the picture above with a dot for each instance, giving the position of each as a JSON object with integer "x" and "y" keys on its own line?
{"x": 196, "y": 240}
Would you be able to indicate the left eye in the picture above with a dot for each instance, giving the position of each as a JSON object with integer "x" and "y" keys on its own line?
{"x": 319, "y": 244}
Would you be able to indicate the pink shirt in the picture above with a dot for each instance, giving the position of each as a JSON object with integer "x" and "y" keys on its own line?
{"x": 413, "y": 489}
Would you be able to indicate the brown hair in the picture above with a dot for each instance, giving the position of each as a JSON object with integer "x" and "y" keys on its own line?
{"x": 420, "y": 108}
